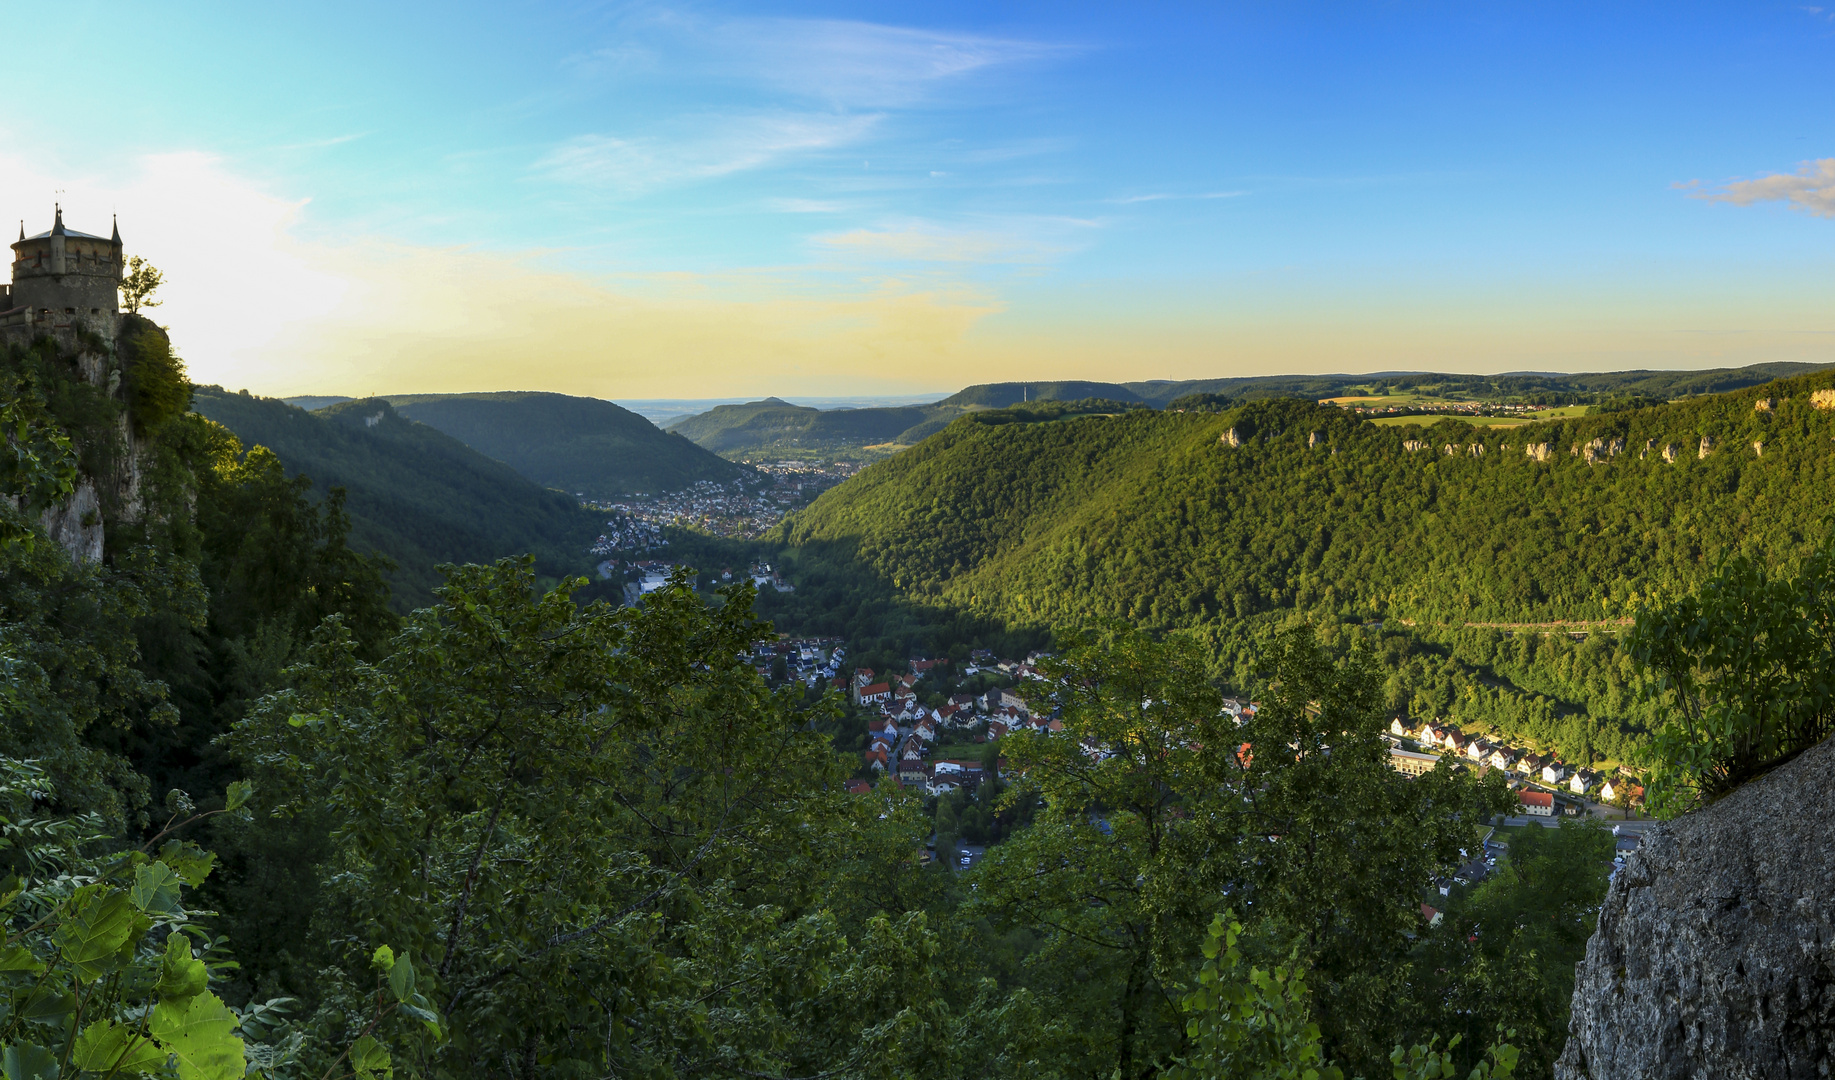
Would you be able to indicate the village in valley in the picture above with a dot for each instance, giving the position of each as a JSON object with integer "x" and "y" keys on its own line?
{"x": 740, "y": 509}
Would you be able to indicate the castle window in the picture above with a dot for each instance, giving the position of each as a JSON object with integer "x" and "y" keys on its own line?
{"x": 70, "y": 311}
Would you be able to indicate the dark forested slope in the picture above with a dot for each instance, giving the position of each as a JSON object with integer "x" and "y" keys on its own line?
{"x": 584, "y": 445}
{"x": 415, "y": 494}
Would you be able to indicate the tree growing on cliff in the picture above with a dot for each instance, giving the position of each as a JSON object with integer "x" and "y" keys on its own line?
{"x": 139, "y": 284}
{"x": 1741, "y": 671}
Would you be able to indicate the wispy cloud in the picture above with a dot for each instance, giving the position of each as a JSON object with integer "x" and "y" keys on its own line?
{"x": 1160, "y": 195}
{"x": 1811, "y": 188}
{"x": 711, "y": 146}
{"x": 865, "y": 65}
{"x": 798, "y": 86}
{"x": 1028, "y": 241}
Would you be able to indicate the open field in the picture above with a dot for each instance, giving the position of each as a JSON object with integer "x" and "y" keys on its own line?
{"x": 1486, "y": 421}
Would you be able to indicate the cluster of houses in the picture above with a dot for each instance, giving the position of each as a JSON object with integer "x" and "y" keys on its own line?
{"x": 903, "y": 732}
{"x": 808, "y": 660}
{"x": 1546, "y": 769}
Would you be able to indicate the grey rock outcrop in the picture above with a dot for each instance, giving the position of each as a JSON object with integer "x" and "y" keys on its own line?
{"x": 1715, "y": 952}
{"x": 1540, "y": 451}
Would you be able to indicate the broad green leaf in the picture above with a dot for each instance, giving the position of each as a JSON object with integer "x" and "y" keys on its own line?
{"x": 425, "y": 1016}
{"x": 180, "y": 974}
{"x": 47, "y": 1006}
{"x": 200, "y": 1032}
{"x": 10, "y": 888}
{"x": 238, "y": 795}
{"x": 92, "y": 938}
{"x": 370, "y": 1059}
{"x": 191, "y": 863}
{"x": 19, "y": 958}
{"x": 401, "y": 978}
{"x": 24, "y": 1061}
{"x": 106, "y": 1046}
{"x": 155, "y": 888}
{"x": 383, "y": 958}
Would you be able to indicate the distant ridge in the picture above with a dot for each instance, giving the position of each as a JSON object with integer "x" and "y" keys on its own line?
{"x": 586, "y": 446}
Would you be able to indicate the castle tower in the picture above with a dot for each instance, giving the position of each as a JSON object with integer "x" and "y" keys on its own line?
{"x": 63, "y": 278}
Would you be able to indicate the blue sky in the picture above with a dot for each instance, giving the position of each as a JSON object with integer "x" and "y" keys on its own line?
{"x": 717, "y": 200}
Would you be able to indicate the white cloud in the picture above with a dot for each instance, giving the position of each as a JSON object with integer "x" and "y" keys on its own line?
{"x": 237, "y": 281}
{"x": 1811, "y": 188}
{"x": 704, "y": 147}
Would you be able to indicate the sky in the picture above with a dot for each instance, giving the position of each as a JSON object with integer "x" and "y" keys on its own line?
{"x": 724, "y": 200}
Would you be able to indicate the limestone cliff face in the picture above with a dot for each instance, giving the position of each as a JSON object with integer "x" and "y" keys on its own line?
{"x": 1715, "y": 952}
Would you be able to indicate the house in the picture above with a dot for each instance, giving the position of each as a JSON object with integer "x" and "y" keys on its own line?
{"x": 1455, "y": 740}
{"x": 1608, "y": 793}
{"x": 1430, "y": 916}
{"x": 942, "y": 783}
{"x": 1409, "y": 763}
{"x": 858, "y": 787}
{"x": 872, "y": 694}
{"x": 1478, "y": 749}
{"x": 1501, "y": 757}
{"x": 927, "y": 730}
{"x": 996, "y": 729}
{"x": 911, "y": 774}
{"x": 1531, "y": 764}
{"x": 913, "y": 750}
{"x": 863, "y": 676}
{"x": 1553, "y": 772}
{"x": 875, "y": 759}
{"x": 962, "y": 701}
{"x": 1582, "y": 780}
{"x": 1399, "y": 727}
{"x": 1536, "y": 803}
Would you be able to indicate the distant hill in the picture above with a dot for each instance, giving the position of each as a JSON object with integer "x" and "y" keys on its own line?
{"x": 314, "y": 401}
{"x": 773, "y": 425}
{"x": 582, "y": 445}
{"x": 417, "y": 495}
{"x": 1001, "y": 395}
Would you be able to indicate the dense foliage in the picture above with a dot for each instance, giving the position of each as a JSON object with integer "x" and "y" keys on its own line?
{"x": 581, "y": 445}
{"x": 1743, "y": 676}
{"x": 517, "y": 835}
{"x": 417, "y": 495}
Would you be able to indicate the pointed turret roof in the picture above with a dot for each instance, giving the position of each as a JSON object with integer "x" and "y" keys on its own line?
{"x": 57, "y": 227}
{"x": 116, "y": 218}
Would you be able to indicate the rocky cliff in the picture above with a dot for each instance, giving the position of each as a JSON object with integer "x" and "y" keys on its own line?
{"x": 1715, "y": 952}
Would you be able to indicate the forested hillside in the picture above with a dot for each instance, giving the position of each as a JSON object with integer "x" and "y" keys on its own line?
{"x": 581, "y": 445}
{"x": 414, "y": 494}
{"x": 1457, "y": 539}
{"x": 776, "y": 426}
